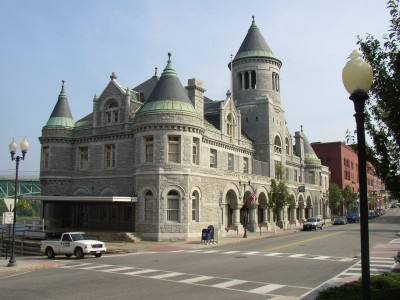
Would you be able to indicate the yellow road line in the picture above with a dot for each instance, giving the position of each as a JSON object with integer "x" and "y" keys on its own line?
{"x": 303, "y": 241}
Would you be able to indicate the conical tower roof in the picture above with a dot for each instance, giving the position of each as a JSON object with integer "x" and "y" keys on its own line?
{"x": 168, "y": 95}
{"x": 254, "y": 45}
{"x": 309, "y": 154}
{"x": 61, "y": 115}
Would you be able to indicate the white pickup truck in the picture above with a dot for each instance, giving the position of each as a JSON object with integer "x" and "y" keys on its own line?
{"x": 73, "y": 243}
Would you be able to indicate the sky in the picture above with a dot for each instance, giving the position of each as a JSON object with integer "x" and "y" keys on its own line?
{"x": 83, "y": 41}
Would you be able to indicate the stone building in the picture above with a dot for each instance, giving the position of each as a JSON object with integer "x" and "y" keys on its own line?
{"x": 164, "y": 161}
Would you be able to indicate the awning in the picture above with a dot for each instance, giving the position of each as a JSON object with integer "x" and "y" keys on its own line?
{"x": 92, "y": 199}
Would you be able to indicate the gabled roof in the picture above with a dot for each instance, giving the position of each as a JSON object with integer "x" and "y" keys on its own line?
{"x": 61, "y": 115}
{"x": 168, "y": 94}
{"x": 254, "y": 45}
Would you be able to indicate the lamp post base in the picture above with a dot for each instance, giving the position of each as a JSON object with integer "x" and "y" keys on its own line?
{"x": 12, "y": 262}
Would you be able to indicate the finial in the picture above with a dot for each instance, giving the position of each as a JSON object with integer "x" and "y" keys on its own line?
{"x": 169, "y": 56}
{"x": 253, "y": 17}
{"x": 63, "y": 81}
{"x": 113, "y": 76}
{"x": 95, "y": 97}
{"x": 155, "y": 71}
{"x": 301, "y": 126}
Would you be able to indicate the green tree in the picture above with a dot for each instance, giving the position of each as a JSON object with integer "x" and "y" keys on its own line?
{"x": 279, "y": 196}
{"x": 349, "y": 197}
{"x": 383, "y": 106}
{"x": 335, "y": 196}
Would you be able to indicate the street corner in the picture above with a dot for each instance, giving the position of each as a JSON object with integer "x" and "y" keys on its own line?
{"x": 27, "y": 265}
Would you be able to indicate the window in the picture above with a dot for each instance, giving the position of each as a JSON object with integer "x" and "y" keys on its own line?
{"x": 112, "y": 113}
{"x": 278, "y": 170}
{"x": 46, "y": 157}
{"x": 173, "y": 206}
{"x": 195, "y": 206}
{"x": 245, "y": 165}
{"x": 231, "y": 162}
{"x": 287, "y": 146}
{"x": 83, "y": 158}
{"x": 213, "y": 158}
{"x": 295, "y": 175}
{"x": 110, "y": 156}
{"x": 275, "y": 82}
{"x": 195, "y": 151}
{"x": 277, "y": 145}
{"x": 229, "y": 125}
{"x": 148, "y": 206}
{"x": 174, "y": 149}
{"x": 149, "y": 145}
{"x": 311, "y": 177}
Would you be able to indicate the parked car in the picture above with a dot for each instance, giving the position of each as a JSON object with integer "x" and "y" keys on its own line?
{"x": 394, "y": 205}
{"x": 340, "y": 221}
{"x": 313, "y": 223}
{"x": 371, "y": 214}
{"x": 381, "y": 211}
{"x": 73, "y": 243}
{"x": 353, "y": 218}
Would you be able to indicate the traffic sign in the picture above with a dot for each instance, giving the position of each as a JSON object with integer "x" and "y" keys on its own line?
{"x": 9, "y": 203}
{"x": 8, "y": 217}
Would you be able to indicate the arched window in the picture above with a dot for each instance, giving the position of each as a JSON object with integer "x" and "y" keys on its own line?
{"x": 287, "y": 146}
{"x": 173, "y": 206}
{"x": 277, "y": 145}
{"x": 195, "y": 206}
{"x": 148, "y": 206}
{"x": 275, "y": 82}
{"x": 112, "y": 113}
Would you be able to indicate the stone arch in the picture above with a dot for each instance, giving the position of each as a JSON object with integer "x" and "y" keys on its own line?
{"x": 146, "y": 206}
{"x": 195, "y": 204}
{"x": 230, "y": 205}
{"x": 108, "y": 191}
{"x": 81, "y": 191}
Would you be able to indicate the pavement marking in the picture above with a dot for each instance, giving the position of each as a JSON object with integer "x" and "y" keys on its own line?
{"x": 229, "y": 283}
{"x": 262, "y": 288}
{"x": 196, "y": 279}
{"x": 265, "y": 289}
{"x": 304, "y": 241}
{"x": 167, "y": 275}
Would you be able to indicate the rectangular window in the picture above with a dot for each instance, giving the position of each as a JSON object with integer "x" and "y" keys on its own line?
{"x": 83, "y": 158}
{"x": 245, "y": 165}
{"x": 278, "y": 170}
{"x": 110, "y": 156}
{"x": 149, "y": 144}
{"x": 213, "y": 158}
{"x": 295, "y": 175}
{"x": 287, "y": 174}
{"x": 174, "y": 149}
{"x": 195, "y": 151}
{"x": 46, "y": 157}
{"x": 231, "y": 162}
{"x": 311, "y": 177}
{"x": 173, "y": 210}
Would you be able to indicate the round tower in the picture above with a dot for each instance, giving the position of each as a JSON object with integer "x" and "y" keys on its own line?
{"x": 256, "y": 93}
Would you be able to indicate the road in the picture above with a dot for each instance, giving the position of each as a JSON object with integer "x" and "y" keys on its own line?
{"x": 284, "y": 266}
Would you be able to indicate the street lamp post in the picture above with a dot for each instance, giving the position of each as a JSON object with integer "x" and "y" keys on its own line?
{"x": 13, "y": 149}
{"x": 245, "y": 209}
{"x": 357, "y": 78}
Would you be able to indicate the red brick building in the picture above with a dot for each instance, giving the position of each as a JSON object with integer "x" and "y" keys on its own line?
{"x": 343, "y": 165}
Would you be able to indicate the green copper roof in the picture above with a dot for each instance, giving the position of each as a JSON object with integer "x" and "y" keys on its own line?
{"x": 309, "y": 154}
{"x": 61, "y": 115}
{"x": 168, "y": 105}
{"x": 168, "y": 94}
{"x": 254, "y": 45}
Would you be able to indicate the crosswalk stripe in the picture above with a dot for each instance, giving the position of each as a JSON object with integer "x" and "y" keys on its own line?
{"x": 273, "y": 254}
{"x": 140, "y": 272}
{"x": 117, "y": 269}
{"x": 168, "y": 275}
{"x": 296, "y": 255}
{"x": 229, "y": 283}
{"x": 321, "y": 257}
{"x": 252, "y": 252}
{"x": 195, "y": 279}
{"x": 266, "y": 288}
{"x": 77, "y": 265}
{"x": 96, "y": 267}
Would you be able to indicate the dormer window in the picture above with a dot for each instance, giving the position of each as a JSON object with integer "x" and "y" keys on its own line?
{"x": 112, "y": 113}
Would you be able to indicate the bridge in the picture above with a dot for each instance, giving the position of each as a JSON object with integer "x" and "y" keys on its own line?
{"x": 25, "y": 187}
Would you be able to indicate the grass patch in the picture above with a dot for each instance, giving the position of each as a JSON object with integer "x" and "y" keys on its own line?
{"x": 385, "y": 286}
